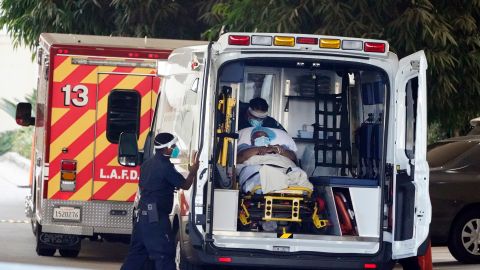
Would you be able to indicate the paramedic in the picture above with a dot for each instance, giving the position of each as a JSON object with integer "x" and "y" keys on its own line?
{"x": 152, "y": 236}
{"x": 261, "y": 138}
{"x": 256, "y": 115}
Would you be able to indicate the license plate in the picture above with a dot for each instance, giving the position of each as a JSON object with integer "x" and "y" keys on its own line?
{"x": 66, "y": 213}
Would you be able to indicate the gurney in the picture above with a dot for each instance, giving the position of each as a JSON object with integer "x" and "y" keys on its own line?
{"x": 292, "y": 208}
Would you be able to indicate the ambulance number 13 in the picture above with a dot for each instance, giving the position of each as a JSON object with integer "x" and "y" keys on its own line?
{"x": 82, "y": 95}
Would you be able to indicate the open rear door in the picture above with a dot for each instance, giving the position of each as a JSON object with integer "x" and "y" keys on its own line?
{"x": 412, "y": 208}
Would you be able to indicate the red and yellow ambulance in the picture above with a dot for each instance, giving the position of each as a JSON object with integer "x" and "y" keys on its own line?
{"x": 90, "y": 89}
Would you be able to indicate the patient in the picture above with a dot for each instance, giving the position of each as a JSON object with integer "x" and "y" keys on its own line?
{"x": 266, "y": 157}
{"x": 260, "y": 140}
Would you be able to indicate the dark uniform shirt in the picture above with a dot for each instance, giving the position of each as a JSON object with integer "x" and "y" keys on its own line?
{"x": 268, "y": 122}
{"x": 158, "y": 179}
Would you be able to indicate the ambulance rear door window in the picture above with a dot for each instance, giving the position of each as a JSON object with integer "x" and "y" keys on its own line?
{"x": 123, "y": 113}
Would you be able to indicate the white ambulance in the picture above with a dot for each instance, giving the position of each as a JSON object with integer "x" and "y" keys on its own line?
{"x": 356, "y": 194}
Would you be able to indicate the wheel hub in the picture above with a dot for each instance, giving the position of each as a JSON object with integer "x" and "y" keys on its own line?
{"x": 471, "y": 236}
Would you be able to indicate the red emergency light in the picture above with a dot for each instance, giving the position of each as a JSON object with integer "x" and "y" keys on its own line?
{"x": 307, "y": 40}
{"x": 225, "y": 259}
{"x": 239, "y": 40}
{"x": 370, "y": 266}
{"x": 153, "y": 55}
{"x": 374, "y": 47}
{"x": 62, "y": 51}
{"x": 69, "y": 165}
{"x": 133, "y": 54}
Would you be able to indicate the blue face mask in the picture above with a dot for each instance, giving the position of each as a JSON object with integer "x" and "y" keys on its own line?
{"x": 261, "y": 141}
{"x": 255, "y": 122}
{"x": 175, "y": 152}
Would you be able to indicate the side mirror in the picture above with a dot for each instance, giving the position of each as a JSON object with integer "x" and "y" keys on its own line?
{"x": 23, "y": 114}
{"x": 128, "y": 149}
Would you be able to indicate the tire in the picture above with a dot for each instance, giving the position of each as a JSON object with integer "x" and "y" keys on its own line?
{"x": 69, "y": 253}
{"x": 48, "y": 252}
{"x": 466, "y": 248}
{"x": 41, "y": 249}
{"x": 180, "y": 260}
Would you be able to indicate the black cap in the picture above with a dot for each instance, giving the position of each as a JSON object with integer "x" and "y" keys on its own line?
{"x": 163, "y": 138}
{"x": 259, "y": 104}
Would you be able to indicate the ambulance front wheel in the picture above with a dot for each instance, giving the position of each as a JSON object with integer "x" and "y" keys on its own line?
{"x": 180, "y": 260}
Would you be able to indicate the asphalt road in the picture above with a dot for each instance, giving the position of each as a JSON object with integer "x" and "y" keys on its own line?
{"x": 17, "y": 249}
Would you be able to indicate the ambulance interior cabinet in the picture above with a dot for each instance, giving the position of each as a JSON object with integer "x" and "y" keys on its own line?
{"x": 225, "y": 210}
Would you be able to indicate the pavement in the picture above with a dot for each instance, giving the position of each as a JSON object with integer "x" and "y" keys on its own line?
{"x": 17, "y": 242}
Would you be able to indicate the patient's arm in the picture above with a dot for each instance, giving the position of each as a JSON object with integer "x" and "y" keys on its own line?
{"x": 285, "y": 152}
{"x": 247, "y": 153}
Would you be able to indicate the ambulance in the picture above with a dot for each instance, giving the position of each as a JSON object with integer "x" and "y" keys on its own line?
{"x": 356, "y": 194}
{"x": 90, "y": 89}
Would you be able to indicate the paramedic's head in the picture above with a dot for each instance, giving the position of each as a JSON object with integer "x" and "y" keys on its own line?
{"x": 261, "y": 136}
{"x": 257, "y": 111}
{"x": 165, "y": 144}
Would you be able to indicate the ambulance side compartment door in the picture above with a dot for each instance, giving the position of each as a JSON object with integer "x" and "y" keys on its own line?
{"x": 412, "y": 208}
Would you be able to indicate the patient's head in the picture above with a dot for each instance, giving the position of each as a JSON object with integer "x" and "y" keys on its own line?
{"x": 261, "y": 136}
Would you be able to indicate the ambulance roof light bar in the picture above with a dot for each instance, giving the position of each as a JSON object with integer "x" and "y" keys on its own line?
{"x": 347, "y": 44}
{"x": 239, "y": 40}
{"x": 374, "y": 47}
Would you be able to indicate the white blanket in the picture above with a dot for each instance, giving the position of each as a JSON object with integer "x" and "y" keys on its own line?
{"x": 283, "y": 174}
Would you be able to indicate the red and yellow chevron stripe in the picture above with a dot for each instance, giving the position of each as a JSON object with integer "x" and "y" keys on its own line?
{"x": 80, "y": 132}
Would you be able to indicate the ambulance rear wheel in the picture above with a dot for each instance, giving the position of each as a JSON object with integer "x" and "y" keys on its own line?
{"x": 180, "y": 260}
{"x": 69, "y": 253}
{"x": 49, "y": 252}
{"x": 43, "y": 250}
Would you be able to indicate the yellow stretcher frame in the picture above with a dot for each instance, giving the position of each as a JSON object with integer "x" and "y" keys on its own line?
{"x": 295, "y": 194}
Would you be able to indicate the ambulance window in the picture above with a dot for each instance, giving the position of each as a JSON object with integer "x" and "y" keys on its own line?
{"x": 258, "y": 85}
{"x": 123, "y": 113}
{"x": 411, "y": 94}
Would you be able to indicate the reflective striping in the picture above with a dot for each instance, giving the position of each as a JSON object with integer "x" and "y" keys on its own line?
{"x": 59, "y": 59}
{"x": 85, "y": 192}
{"x": 146, "y": 103}
{"x": 74, "y": 128}
{"x": 143, "y": 136}
{"x": 114, "y": 162}
{"x": 63, "y": 70}
{"x": 92, "y": 77}
{"x": 57, "y": 113}
{"x": 73, "y": 74}
{"x": 71, "y": 133}
{"x": 125, "y": 192}
{"x": 107, "y": 190}
{"x": 101, "y": 143}
{"x": 131, "y": 81}
{"x": 83, "y": 160}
